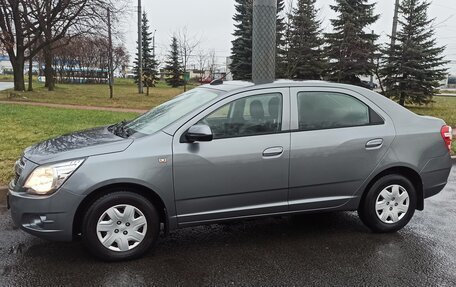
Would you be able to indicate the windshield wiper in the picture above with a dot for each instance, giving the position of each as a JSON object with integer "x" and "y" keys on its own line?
{"x": 121, "y": 130}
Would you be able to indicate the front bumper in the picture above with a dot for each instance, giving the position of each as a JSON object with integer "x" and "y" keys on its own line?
{"x": 49, "y": 217}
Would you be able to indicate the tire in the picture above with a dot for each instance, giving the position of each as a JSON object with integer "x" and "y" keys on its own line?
{"x": 383, "y": 208}
{"x": 108, "y": 219}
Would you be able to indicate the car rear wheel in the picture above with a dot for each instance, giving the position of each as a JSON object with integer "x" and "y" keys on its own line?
{"x": 120, "y": 226}
{"x": 389, "y": 204}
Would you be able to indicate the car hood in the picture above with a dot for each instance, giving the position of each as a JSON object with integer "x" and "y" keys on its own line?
{"x": 86, "y": 143}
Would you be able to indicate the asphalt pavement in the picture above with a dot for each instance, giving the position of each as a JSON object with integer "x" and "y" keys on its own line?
{"x": 6, "y": 85}
{"x": 321, "y": 250}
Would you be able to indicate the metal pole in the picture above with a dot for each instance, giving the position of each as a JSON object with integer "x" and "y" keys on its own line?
{"x": 140, "y": 60}
{"x": 372, "y": 61}
{"x": 153, "y": 44}
{"x": 111, "y": 68}
{"x": 264, "y": 41}
{"x": 395, "y": 20}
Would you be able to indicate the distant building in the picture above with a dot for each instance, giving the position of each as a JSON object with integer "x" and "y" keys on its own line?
{"x": 5, "y": 65}
{"x": 450, "y": 81}
{"x": 7, "y": 68}
{"x": 229, "y": 76}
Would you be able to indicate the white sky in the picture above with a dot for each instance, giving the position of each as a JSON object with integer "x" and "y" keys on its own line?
{"x": 211, "y": 20}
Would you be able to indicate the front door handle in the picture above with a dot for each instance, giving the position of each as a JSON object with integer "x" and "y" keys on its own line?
{"x": 374, "y": 144}
{"x": 273, "y": 151}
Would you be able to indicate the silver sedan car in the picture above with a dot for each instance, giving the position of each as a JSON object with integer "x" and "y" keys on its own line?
{"x": 231, "y": 151}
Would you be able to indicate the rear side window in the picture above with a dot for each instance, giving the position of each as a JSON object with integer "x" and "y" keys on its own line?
{"x": 329, "y": 110}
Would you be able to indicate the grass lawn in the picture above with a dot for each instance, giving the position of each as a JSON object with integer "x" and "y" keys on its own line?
{"x": 6, "y": 78}
{"x": 22, "y": 126}
{"x": 447, "y": 91}
{"x": 125, "y": 95}
{"x": 444, "y": 108}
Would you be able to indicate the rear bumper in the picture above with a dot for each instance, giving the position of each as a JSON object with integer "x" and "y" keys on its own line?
{"x": 435, "y": 175}
{"x": 49, "y": 217}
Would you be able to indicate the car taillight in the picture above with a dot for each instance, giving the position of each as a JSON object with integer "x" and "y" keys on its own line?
{"x": 447, "y": 136}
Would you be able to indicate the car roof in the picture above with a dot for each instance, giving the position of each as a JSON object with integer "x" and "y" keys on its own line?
{"x": 234, "y": 87}
{"x": 230, "y": 86}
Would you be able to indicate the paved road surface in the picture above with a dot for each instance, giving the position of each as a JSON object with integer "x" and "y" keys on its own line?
{"x": 6, "y": 85}
{"x": 320, "y": 250}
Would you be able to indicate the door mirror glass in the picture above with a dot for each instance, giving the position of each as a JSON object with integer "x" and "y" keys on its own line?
{"x": 199, "y": 133}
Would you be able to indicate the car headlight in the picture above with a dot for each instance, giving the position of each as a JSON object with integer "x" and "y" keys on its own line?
{"x": 48, "y": 178}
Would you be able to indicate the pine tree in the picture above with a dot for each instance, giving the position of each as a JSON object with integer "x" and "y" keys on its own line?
{"x": 149, "y": 64}
{"x": 173, "y": 66}
{"x": 241, "y": 66}
{"x": 306, "y": 61}
{"x": 281, "y": 27}
{"x": 350, "y": 48}
{"x": 413, "y": 66}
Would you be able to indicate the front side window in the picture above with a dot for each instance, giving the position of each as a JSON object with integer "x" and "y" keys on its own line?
{"x": 328, "y": 110}
{"x": 254, "y": 115}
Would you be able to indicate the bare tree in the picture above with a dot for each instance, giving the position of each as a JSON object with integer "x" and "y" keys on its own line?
{"x": 121, "y": 58}
{"x": 86, "y": 60}
{"x": 187, "y": 45}
{"x": 212, "y": 63}
{"x": 202, "y": 60}
{"x": 56, "y": 19}
{"x": 36, "y": 25}
{"x": 15, "y": 37}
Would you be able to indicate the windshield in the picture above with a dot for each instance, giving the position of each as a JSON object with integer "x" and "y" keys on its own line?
{"x": 168, "y": 112}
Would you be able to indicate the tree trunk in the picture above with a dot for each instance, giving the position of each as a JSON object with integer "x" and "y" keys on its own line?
{"x": 48, "y": 70}
{"x": 18, "y": 70}
{"x": 402, "y": 99}
{"x": 30, "y": 75}
{"x": 111, "y": 60}
{"x": 185, "y": 81}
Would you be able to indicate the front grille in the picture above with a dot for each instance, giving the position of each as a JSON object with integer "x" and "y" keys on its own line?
{"x": 16, "y": 178}
{"x": 18, "y": 168}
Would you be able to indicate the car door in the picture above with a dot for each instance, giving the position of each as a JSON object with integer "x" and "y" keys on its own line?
{"x": 244, "y": 170}
{"x": 338, "y": 139}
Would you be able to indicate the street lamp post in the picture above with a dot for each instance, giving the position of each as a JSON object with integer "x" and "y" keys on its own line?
{"x": 153, "y": 43}
{"x": 140, "y": 60}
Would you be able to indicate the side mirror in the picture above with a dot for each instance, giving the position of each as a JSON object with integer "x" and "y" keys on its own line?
{"x": 199, "y": 133}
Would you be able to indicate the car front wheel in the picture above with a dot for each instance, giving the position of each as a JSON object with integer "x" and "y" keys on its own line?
{"x": 120, "y": 226}
{"x": 389, "y": 204}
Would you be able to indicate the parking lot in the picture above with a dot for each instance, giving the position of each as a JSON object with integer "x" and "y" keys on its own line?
{"x": 325, "y": 249}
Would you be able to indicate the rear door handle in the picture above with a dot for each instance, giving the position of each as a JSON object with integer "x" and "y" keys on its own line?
{"x": 374, "y": 144}
{"x": 273, "y": 151}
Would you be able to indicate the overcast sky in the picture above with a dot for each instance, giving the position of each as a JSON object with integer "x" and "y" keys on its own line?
{"x": 211, "y": 20}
